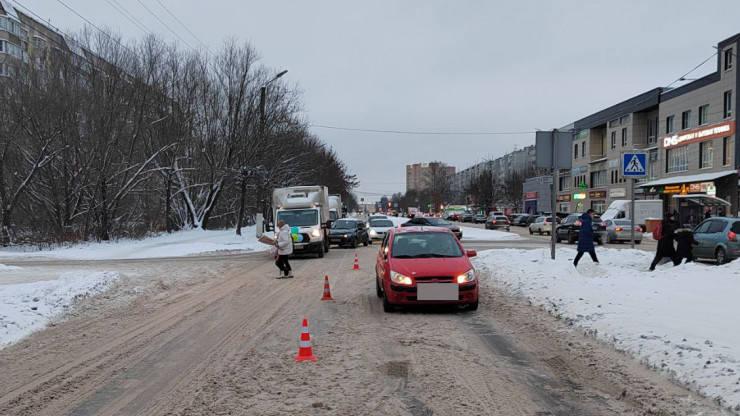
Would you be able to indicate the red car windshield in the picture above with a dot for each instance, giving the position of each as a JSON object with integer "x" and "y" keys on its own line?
{"x": 424, "y": 245}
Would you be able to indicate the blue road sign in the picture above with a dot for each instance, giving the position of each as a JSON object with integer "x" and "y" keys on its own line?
{"x": 634, "y": 164}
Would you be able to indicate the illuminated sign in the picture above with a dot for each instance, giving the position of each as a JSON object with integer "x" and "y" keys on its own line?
{"x": 711, "y": 190}
{"x": 597, "y": 194}
{"x": 697, "y": 135}
{"x": 531, "y": 195}
{"x": 582, "y": 195}
{"x": 563, "y": 198}
{"x": 675, "y": 189}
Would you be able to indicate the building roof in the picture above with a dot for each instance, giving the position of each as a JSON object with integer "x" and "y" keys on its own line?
{"x": 689, "y": 178}
{"x": 638, "y": 103}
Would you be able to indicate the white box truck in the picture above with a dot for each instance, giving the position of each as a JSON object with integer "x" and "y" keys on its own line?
{"x": 644, "y": 208}
{"x": 335, "y": 207}
{"x": 306, "y": 208}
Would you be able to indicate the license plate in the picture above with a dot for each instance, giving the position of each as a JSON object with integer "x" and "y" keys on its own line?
{"x": 437, "y": 291}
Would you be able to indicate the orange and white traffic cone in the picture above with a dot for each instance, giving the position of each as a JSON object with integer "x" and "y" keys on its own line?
{"x": 305, "y": 353}
{"x": 357, "y": 265}
{"x": 327, "y": 291}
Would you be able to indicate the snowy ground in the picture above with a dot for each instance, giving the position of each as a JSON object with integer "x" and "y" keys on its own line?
{"x": 683, "y": 321}
{"x": 29, "y": 307}
{"x": 180, "y": 243}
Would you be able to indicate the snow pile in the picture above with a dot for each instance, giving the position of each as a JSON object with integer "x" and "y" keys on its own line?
{"x": 682, "y": 320}
{"x": 29, "y": 307}
{"x": 4, "y": 268}
{"x": 471, "y": 233}
{"x": 181, "y": 243}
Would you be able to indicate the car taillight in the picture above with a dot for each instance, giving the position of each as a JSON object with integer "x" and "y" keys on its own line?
{"x": 602, "y": 224}
{"x": 545, "y": 222}
{"x": 618, "y": 229}
{"x": 578, "y": 223}
{"x": 493, "y": 222}
{"x": 639, "y": 229}
{"x": 732, "y": 236}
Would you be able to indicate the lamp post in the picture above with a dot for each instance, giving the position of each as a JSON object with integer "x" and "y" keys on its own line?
{"x": 263, "y": 94}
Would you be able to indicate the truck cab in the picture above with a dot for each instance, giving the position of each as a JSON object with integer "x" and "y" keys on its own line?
{"x": 305, "y": 208}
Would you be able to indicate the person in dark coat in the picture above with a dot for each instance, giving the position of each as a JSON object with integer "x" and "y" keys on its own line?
{"x": 586, "y": 238}
{"x": 665, "y": 244}
{"x": 685, "y": 239}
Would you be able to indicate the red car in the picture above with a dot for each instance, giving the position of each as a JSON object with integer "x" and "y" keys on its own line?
{"x": 425, "y": 266}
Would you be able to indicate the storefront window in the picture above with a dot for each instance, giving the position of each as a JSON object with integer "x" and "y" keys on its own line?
{"x": 677, "y": 159}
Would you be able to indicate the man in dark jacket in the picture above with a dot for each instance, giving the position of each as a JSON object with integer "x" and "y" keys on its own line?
{"x": 586, "y": 238}
{"x": 685, "y": 239}
{"x": 665, "y": 244}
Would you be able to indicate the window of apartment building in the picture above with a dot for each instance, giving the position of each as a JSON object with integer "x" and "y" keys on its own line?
{"x": 677, "y": 159}
{"x": 575, "y": 152}
{"x": 614, "y": 140}
{"x": 728, "y": 59}
{"x": 704, "y": 115}
{"x": 4, "y": 70}
{"x": 624, "y": 137}
{"x": 624, "y": 119}
{"x": 583, "y": 149}
{"x": 38, "y": 42}
{"x": 2, "y": 45}
{"x": 686, "y": 120}
{"x": 652, "y": 131}
{"x": 725, "y": 151}
{"x": 564, "y": 183}
{"x": 598, "y": 206}
{"x": 614, "y": 123}
{"x": 669, "y": 125}
{"x": 578, "y": 181}
{"x": 727, "y": 113}
{"x": 598, "y": 179}
{"x": 706, "y": 154}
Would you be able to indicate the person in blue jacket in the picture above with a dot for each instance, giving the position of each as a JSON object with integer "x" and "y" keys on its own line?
{"x": 586, "y": 238}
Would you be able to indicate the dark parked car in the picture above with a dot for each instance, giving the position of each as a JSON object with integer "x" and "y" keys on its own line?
{"x": 466, "y": 217}
{"x": 522, "y": 220}
{"x": 479, "y": 218}
{"x": 494, "y": 222}
{"x": 570, "y": 228}
{"x": 434, "y": 222}
{"x": 348, "y": 232}
{"x": 718, "y": 239}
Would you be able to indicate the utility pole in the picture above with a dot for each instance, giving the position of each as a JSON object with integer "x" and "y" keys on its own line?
{"x": 553, "y": 195}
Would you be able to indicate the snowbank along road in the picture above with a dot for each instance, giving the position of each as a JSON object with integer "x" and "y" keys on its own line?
{"x": 217, "y": 335}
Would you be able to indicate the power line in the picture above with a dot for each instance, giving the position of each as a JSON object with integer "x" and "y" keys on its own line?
{"x": 165, "y": 25}
{"x": 116, "y": 6}
{"x": 99, "y": 29}
{"x": 420, "y": 132}
{"x": 184, "y": 26}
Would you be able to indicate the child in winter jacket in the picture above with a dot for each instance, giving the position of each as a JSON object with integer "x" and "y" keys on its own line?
{"x": 685, "y": 239}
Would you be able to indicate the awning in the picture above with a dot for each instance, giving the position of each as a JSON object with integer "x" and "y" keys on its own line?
{"x": 704, "y": 177}
{"x": 703, "y": 199}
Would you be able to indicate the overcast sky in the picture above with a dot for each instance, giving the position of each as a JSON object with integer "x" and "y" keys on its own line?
{"x": 441, "y": 66}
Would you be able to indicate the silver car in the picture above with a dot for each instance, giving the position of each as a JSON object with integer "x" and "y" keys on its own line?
{"x": 619, "y": 231}
{"x": 718, "y": 239}
{"x": 541, "y": 225}
{"x": 378, "y": 228}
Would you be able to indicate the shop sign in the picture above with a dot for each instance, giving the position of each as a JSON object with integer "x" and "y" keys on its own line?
{"x": 675, "y": 189}
{"x": 639, "y": 191}
{"x": 695, "y": 188}
{"x": 653, "y": 155}
{"x": 597, "y": 194}
{"x": 711, "y": 190}
{"x": 581, "y": 195}
{"x": 698, "y": 135}
{"x": 613, "y": 163}
{"x": 617, "y": 192}
{"x": 531, "y": 195}
{"x": 705, "y": 187}
{"x": 563, "y": 198}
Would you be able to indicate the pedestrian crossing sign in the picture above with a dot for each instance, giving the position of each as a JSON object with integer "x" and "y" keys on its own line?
{"x": 634, "y": 164}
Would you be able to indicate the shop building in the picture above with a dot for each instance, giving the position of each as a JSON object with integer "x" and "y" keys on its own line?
{"x": 537, "y": 196}
{"x": 696, "y": 155}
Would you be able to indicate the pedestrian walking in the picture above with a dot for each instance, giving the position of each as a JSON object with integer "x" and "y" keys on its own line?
{"x": 586, "y": 238}
{"x": 708, "y": 214}
{"x": 685, "y": 239}
{"x": 665, "y": 243}
{"x": 284, "y": 243}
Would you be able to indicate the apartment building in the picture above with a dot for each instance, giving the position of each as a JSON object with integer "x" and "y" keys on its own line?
{"x": 420, "y": 176}
{"x": 688, "y": 134}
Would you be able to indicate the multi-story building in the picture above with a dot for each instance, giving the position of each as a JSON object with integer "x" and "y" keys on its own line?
{"x": 688, "y": 134}
{"x": 420, "y": 176}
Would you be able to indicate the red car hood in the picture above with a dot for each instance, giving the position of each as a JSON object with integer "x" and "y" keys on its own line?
{"x": 443, "y": 266}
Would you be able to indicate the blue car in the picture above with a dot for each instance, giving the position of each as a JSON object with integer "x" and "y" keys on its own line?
{"x": 718, "y": 239}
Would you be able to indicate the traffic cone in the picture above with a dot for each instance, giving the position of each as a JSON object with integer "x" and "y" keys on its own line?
{"x": 305, "y": 353}
{"x": 357, "y": 265}
{"x": 327, "y": 291}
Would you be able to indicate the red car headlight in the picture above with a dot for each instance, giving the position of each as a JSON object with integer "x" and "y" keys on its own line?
{"x": 466, "y": 277}
{"x": 400, "y": 279}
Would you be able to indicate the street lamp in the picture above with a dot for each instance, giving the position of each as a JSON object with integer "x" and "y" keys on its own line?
{"x": 263, "y": 94}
